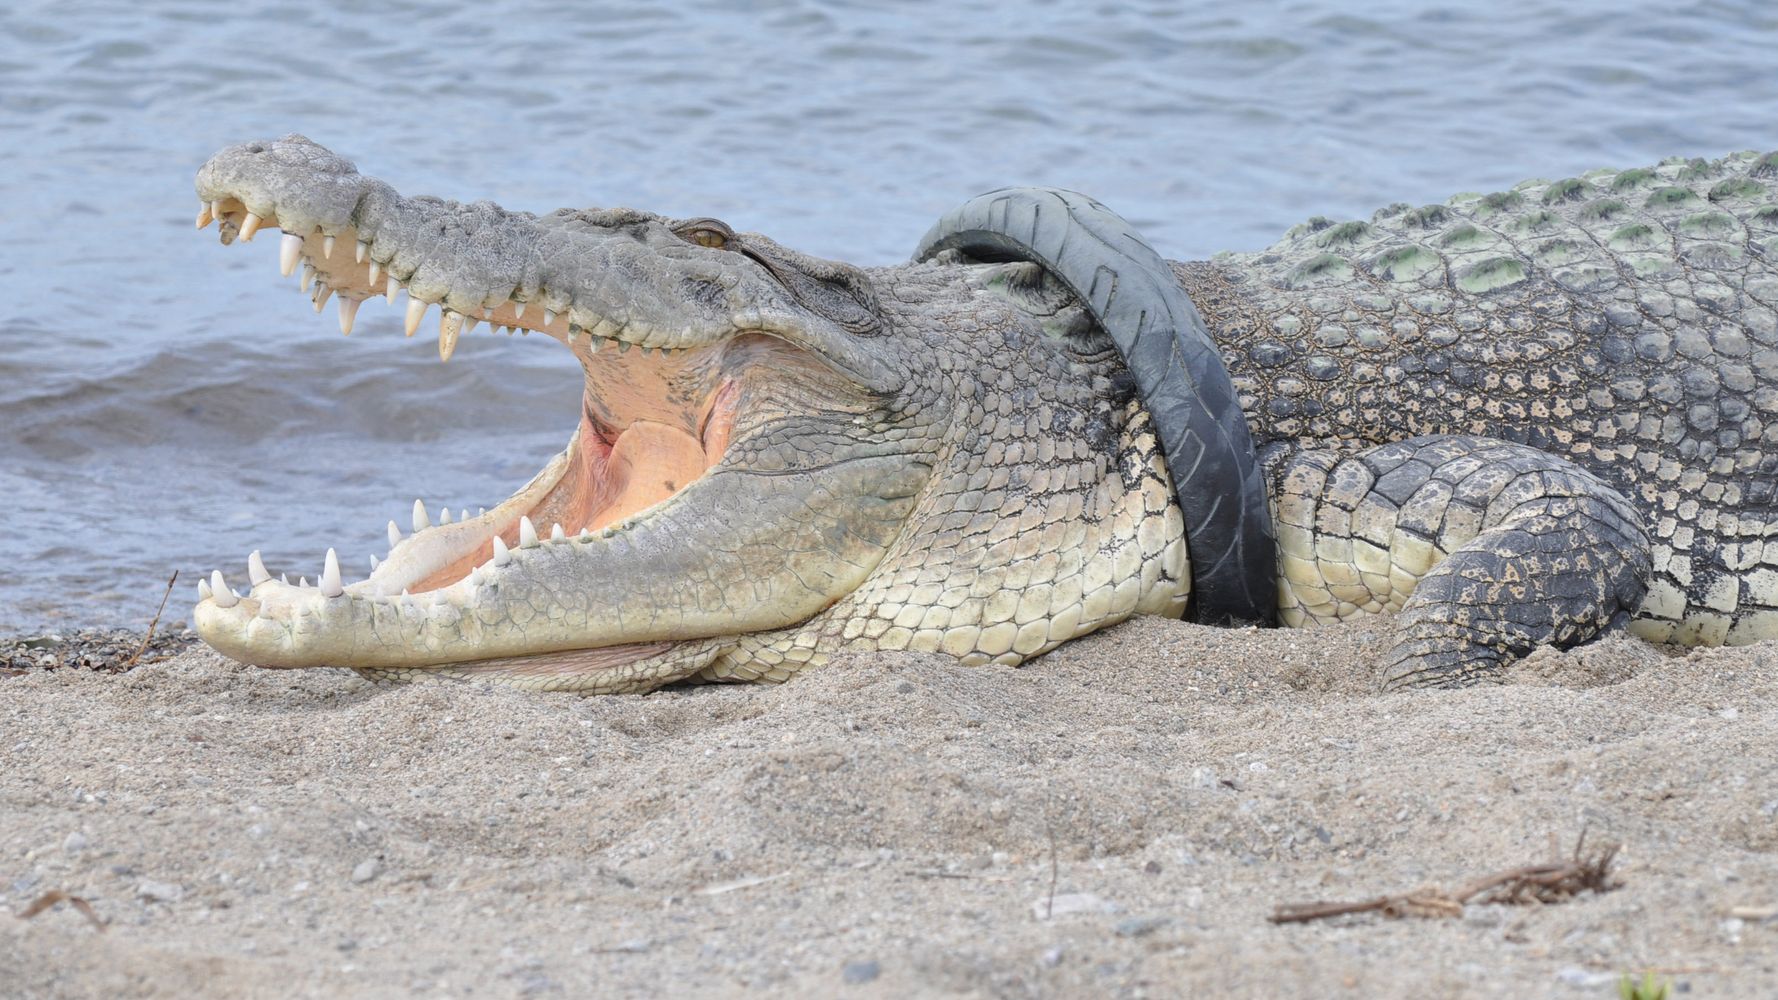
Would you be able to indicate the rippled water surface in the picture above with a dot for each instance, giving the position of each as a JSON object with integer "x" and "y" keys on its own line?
{"x": 168, "y": 403}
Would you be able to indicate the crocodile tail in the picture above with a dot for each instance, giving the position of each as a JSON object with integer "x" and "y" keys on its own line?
{"x": 1184, "y": 384}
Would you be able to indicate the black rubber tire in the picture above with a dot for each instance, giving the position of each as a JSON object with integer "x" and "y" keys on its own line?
{"x": 1179, "y": 372}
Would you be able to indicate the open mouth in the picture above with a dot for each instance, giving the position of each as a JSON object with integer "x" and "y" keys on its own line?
{"x": 655, "y": 419}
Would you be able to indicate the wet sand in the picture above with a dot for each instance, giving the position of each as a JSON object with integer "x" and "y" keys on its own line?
{"x": 1116, "y": 819}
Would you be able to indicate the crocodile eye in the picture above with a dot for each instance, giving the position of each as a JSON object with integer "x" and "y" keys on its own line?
{"x": 712, "y": 233}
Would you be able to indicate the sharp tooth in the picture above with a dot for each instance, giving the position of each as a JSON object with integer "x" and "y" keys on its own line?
{"x": 416, "y": 311}
{"x": 376, "y": 271}
{"x": 216, "y": 209}
{"x": 390, "y": 290}
{"x": 394, "y": 535}
{"x": 502, "y": 555}
{"x": 348, "y": 313}
{"x": 586, "y": 534}
{"x": 327, "y": 246}
{"x": 475, "y": 577}
{"x": 256, "y": 573}
{"x": 594, "y": 343}
{"x": 549, "y": 317}
{"x": 444, "y": 515}
{"x": 421, "y": 521}
{"x": 284, "y": 578}
{"x": 469, "y": 323}
{"x": 302, "y": 581}
{"x": 224, "y": 597}
{"x": 205, "y": 216}
{"x": 487, "y": 312}
{"x": 450, "y": 327}
{"x": 308, "y": 277}
{"x": 361, "y": 251}
{"x": 290, "y": 249}
{"x": 204, "y": 591}
{"x": 556, "y": 533}
{"x": 518, "y": 309}
{"x": 330, "y": 576}
{"x": 481, "y": 512}
{"x": 527, "y": 533}
{"x": 374, "y": 562}
{"x": 623, "y": 347}
{"x": 322, "y": 294}
{"x": 249, "y": 226}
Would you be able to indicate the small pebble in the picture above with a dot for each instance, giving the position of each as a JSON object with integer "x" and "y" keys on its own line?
{"x": 861, "y": 972}
{"x": 74, "y": 843}
{"x": 366, "y": 870}
{"x": 160, "y": 892}
{"x": 1052, "y": 958}
{"x": 1141, "y": 926}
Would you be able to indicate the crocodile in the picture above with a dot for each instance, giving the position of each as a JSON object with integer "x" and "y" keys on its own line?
{"x": 1513, "y": 419}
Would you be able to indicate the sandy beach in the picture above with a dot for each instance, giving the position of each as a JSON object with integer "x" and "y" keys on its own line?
{"x": 1116, "y": 819}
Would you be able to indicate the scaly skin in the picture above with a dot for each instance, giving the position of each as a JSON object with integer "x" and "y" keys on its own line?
{"x": 1623, "y": 320}
{"x": 1509, "y": 417}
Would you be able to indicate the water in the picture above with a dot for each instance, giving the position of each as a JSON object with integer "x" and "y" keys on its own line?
{"x": 169, "y": 404}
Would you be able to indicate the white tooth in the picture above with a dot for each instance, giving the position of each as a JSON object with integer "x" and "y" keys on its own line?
{"x": 475, "y": 577}
{"x": 549, "y": 317}
{"x": 205, "y": 216}
{"x": 290, "y": 250}
{"x": 450, "y": 327}
{"x": 556, "y": 533}
{"x": 322, "y": 294}
{"x": 416, "y": 311}
{"x": 394, "y": 535}
{"x": 481, "y": 512}
{"x": 444, "y": 515}
{"x": 224, "y": 597}
{"x": 405, "y": 593}
{"x": 330, "y": 576}
{"x": 204, "y": 591}
{"x": 527, "y": 533}
{"x": 327, "y": 246}
{"x": 249, "y": 226}
{"x": 348, "y": 314}
{"x": 518, "y": 309}
{"x": 376, "y": 271}
{"x": 284, "y": 578}
{"x": 216, "y": 209}
{"x": 302, "y": 581}
{"x": 256, "y": 573}
{"x": 487, "y": 313}
{"x": 374, "y": 562}
{"x": 421, "y": 521}
{"x": 502, "y": 555}
{"x": 594, "y": 343}
{"x": 469, "y": 323}
{"x": 360, "y": 252}
{"x": 308, "y": 277}
{"x": 390, "y": 290}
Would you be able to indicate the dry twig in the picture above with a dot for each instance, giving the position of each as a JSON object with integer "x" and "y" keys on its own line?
{"x": 55, "y": 896}
{"x": 157, "y": 620}
{"x": 1546, "y": 883}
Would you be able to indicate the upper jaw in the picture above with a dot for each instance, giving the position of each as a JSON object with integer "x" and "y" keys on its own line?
{"x": 614, "y": 274}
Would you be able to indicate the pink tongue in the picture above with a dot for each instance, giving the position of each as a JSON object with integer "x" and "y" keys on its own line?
{"x": 653, "y": 461}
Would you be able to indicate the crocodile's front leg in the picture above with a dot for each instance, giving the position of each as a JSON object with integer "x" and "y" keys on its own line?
{"x": 1487, "y": 549}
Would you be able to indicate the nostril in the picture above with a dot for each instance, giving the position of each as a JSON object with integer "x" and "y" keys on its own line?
{"x": 256, "y": 148}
